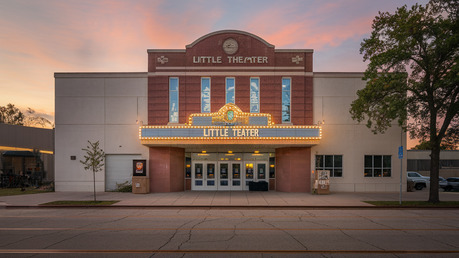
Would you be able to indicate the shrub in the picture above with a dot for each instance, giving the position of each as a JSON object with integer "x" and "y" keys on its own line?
{"x": 124, "y": 187}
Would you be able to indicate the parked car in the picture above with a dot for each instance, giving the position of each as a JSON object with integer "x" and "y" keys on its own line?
{"x": 442, "y": 182}
{"x": 418, "y": 180}
{"x": 452, "y": 183}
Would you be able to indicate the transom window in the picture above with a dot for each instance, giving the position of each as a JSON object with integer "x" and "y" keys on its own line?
{"x": 173, "y": 99}
{"x": 378, "y": 166}
{"x": 205, "y": 95}
{"x": 334, "y": 163}
{"x": 286, "y": 100}
{"x": 230, "y": 91}
{"x": 254, "y": 95}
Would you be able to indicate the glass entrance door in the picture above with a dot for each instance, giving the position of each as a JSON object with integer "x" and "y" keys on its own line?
{"x": 255, "y": 172}
{"x": 204, "y": 176}
{"x": 211, "y": 178}
{"x": 224, "y": 182}
{"x": 197, "y": 175}
{"x": 249, "y": 174}
{"x": 229, "y": 177}
{"x": 236, "y": 176}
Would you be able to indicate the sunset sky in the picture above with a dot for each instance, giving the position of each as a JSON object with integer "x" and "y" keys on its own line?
{"x": 41, "y": 37}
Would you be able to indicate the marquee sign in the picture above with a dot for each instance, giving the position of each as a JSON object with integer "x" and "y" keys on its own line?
{"x": 230, "y": 126}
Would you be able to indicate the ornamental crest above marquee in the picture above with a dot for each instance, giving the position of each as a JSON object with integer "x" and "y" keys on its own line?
{"x": 230, "y": 115}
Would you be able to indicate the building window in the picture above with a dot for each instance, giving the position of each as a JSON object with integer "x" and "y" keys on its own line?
{"x": 230, "y": 91}
{"x": 378, "y": 165}
{"x": 333, "y": 163}
{"x": 205, "y": 95}
{"x": 254, "y": 95}
{"x": 173, "y": 99}
{"x": 286, "y": 100}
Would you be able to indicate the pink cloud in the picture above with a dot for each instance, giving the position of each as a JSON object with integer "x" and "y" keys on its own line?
{"x": 315, "y": 31}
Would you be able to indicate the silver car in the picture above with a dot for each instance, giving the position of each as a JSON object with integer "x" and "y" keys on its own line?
{"x": 452, "y": 183}
{"x": 418, "y": 180}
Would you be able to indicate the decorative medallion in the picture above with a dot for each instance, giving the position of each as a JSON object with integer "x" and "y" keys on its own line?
{"x": 297, "y": 59}
{"x": 230, "y": 46}
{"x": 163, "y": 59}
{"x": 230, "y": 115}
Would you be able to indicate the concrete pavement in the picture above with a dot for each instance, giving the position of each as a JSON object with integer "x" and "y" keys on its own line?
{"x": 216, "y": 199}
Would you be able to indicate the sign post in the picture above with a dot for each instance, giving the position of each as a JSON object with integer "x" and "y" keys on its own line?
{"x": 400, "y": 156}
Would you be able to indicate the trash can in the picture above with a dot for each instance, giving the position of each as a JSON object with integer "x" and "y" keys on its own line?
{"x": 258, "y": 186}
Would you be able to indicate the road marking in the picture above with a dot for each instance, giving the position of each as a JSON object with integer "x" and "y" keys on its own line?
{"x": 73, "y": 251}
{"x": 233, "y": 217}
{"x": 231, "y": 229}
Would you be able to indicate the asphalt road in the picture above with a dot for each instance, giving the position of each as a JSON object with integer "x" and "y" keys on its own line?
{"x": 117, "y": 232}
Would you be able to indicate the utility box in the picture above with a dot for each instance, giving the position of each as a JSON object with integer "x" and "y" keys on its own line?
{"x": 322, "y": 182}
{"x": 140, "y": 181}
{"x": 140, "y": 185}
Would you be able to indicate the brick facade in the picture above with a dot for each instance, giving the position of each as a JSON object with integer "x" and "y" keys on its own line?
{"x": 163, "y": 64}
{"x": 254, "y": 58}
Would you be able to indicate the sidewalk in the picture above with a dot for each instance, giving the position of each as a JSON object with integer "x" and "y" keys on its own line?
{"x": 211, "y": 199}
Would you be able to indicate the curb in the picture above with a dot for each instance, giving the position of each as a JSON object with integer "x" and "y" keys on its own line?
{"x": 223, "y": 207}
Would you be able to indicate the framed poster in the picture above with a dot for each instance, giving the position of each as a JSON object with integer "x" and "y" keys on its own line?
{"x": 139, "y": 167}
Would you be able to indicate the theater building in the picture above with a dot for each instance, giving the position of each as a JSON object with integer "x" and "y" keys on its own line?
{"x": 227, "y": 110}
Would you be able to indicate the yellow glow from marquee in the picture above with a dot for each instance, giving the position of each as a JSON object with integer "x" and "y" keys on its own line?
{"x": 221, "y": 114}
{"x": 238, "y": 114}
{"x": 232, "y": 138}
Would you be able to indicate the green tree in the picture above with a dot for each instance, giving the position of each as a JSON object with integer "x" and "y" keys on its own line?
{"x": 10, "y": 114}
{"x": 93, "y": 160}
{"x": 413, "y": 72}
{"x": 449, "y": 142}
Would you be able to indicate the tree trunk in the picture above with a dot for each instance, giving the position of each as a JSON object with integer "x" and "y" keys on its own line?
{"x": 434, "y": 172}
{"x": 94, "y": 180}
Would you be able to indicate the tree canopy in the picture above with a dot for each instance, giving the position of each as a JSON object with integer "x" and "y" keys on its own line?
{"x": 10, "y": 114}
{"x": 413, "y": 74}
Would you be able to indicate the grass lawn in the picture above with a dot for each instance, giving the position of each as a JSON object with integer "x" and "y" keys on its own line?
{"x": 81, "y": 203}
{"x": 414, "y": 203}
{"x": 17, "y": 191}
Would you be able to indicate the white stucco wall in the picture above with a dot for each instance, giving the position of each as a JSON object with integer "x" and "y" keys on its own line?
{"x": 104, "y": 107}
{"x": 109, "y": 107}
{"x": 333, "y": 95}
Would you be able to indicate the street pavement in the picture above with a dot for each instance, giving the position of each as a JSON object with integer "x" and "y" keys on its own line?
{"x": 226, "y": 199}
{"x": 236, "y": 232}
{"x": 227, "y": 224}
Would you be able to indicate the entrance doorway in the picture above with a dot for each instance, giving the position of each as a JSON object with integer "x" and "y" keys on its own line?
{"x": 227, "y": 172}
{"x": 255, "y": 172}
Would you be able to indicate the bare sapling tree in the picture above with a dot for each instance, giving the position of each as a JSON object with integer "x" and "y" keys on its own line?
{"x": 93, "y": 160}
